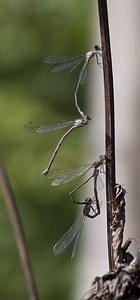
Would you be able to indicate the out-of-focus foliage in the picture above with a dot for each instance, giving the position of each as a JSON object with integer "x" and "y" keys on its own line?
{"x": 29, "y": 31}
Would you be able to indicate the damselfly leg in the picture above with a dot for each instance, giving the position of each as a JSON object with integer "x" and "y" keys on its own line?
{"x": 76, "y": 229}
{"x": 62, "y": 176}
{"x": 65, "y": 61}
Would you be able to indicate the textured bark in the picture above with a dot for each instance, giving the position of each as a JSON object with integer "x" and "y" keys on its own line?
{"x": 109, "y": 124}
{"x": 123, "y": 283}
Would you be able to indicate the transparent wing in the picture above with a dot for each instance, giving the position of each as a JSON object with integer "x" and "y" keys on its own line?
{"x": 80, "y": 227}
{"x": 66, "y": 65}
{"x": 68, "y": 237}
{"x": 58, "y": 59}
{"x": 84, "y": 77}
{"x": 65, "y": 175}
{"x": 44, "y": 126}
{"x": 79, "y": 61}
{"x": 100, "y": 184}
{"x": 88, "y": 56}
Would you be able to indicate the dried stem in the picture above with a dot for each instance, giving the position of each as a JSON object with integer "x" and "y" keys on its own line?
{"x": 109, "y": 123}
{"x": 19, "y": 234}
{"x": 118, "y": 223}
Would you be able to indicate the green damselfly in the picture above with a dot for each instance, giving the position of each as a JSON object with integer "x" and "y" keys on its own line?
{"x": 65, "y": 61}
{"x": 75, "y": 230}
{"x": 43, "y": 127}
{"x": 62, "y": 176}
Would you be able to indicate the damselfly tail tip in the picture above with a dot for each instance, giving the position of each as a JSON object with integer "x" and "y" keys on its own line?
{"x": 44, "y": 173}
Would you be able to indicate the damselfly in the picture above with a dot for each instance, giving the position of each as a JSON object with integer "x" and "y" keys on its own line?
{"x": 76, "y": 228}
{"x": 62, "y": 176}
{"x": 66, "y": 61}
{"x": 42, "y": 127}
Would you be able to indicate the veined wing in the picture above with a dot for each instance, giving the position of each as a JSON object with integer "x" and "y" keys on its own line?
{"x": 65, "y": 175}
{"x": 83, "y": 73}
{"x": 100, "y": 184}
{"x": 67, "y": 65}
{"x": 58, "y": 59}
{"x": 84, "y": 77}
{"x": 80, "y": 227}
{"x": 77, "y": 63}
{"x": 44, "y": 126}
{"x": 68, "y": 237}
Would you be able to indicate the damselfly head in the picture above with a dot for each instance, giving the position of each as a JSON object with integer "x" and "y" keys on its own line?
{"x": 86, "y": 119}
{"x": 88, "y": 201}
{"x": 97, "y": 48}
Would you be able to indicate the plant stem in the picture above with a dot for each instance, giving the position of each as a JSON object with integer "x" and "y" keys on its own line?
{"x": 19, "y": 234}
{"x": 109, "y": 123}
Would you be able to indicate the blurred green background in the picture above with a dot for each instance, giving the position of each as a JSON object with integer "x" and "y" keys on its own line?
{"x": 29, "y": 31}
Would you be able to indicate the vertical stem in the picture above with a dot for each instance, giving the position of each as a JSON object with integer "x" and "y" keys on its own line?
{"x": 109, "y": 122}
{"x": 19, "y": 234}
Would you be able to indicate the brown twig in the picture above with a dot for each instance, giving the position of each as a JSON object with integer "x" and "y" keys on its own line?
{"x": 118, "y": 223}
{"x": 109, "y": 123}
{"x": 19, "y": 234}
